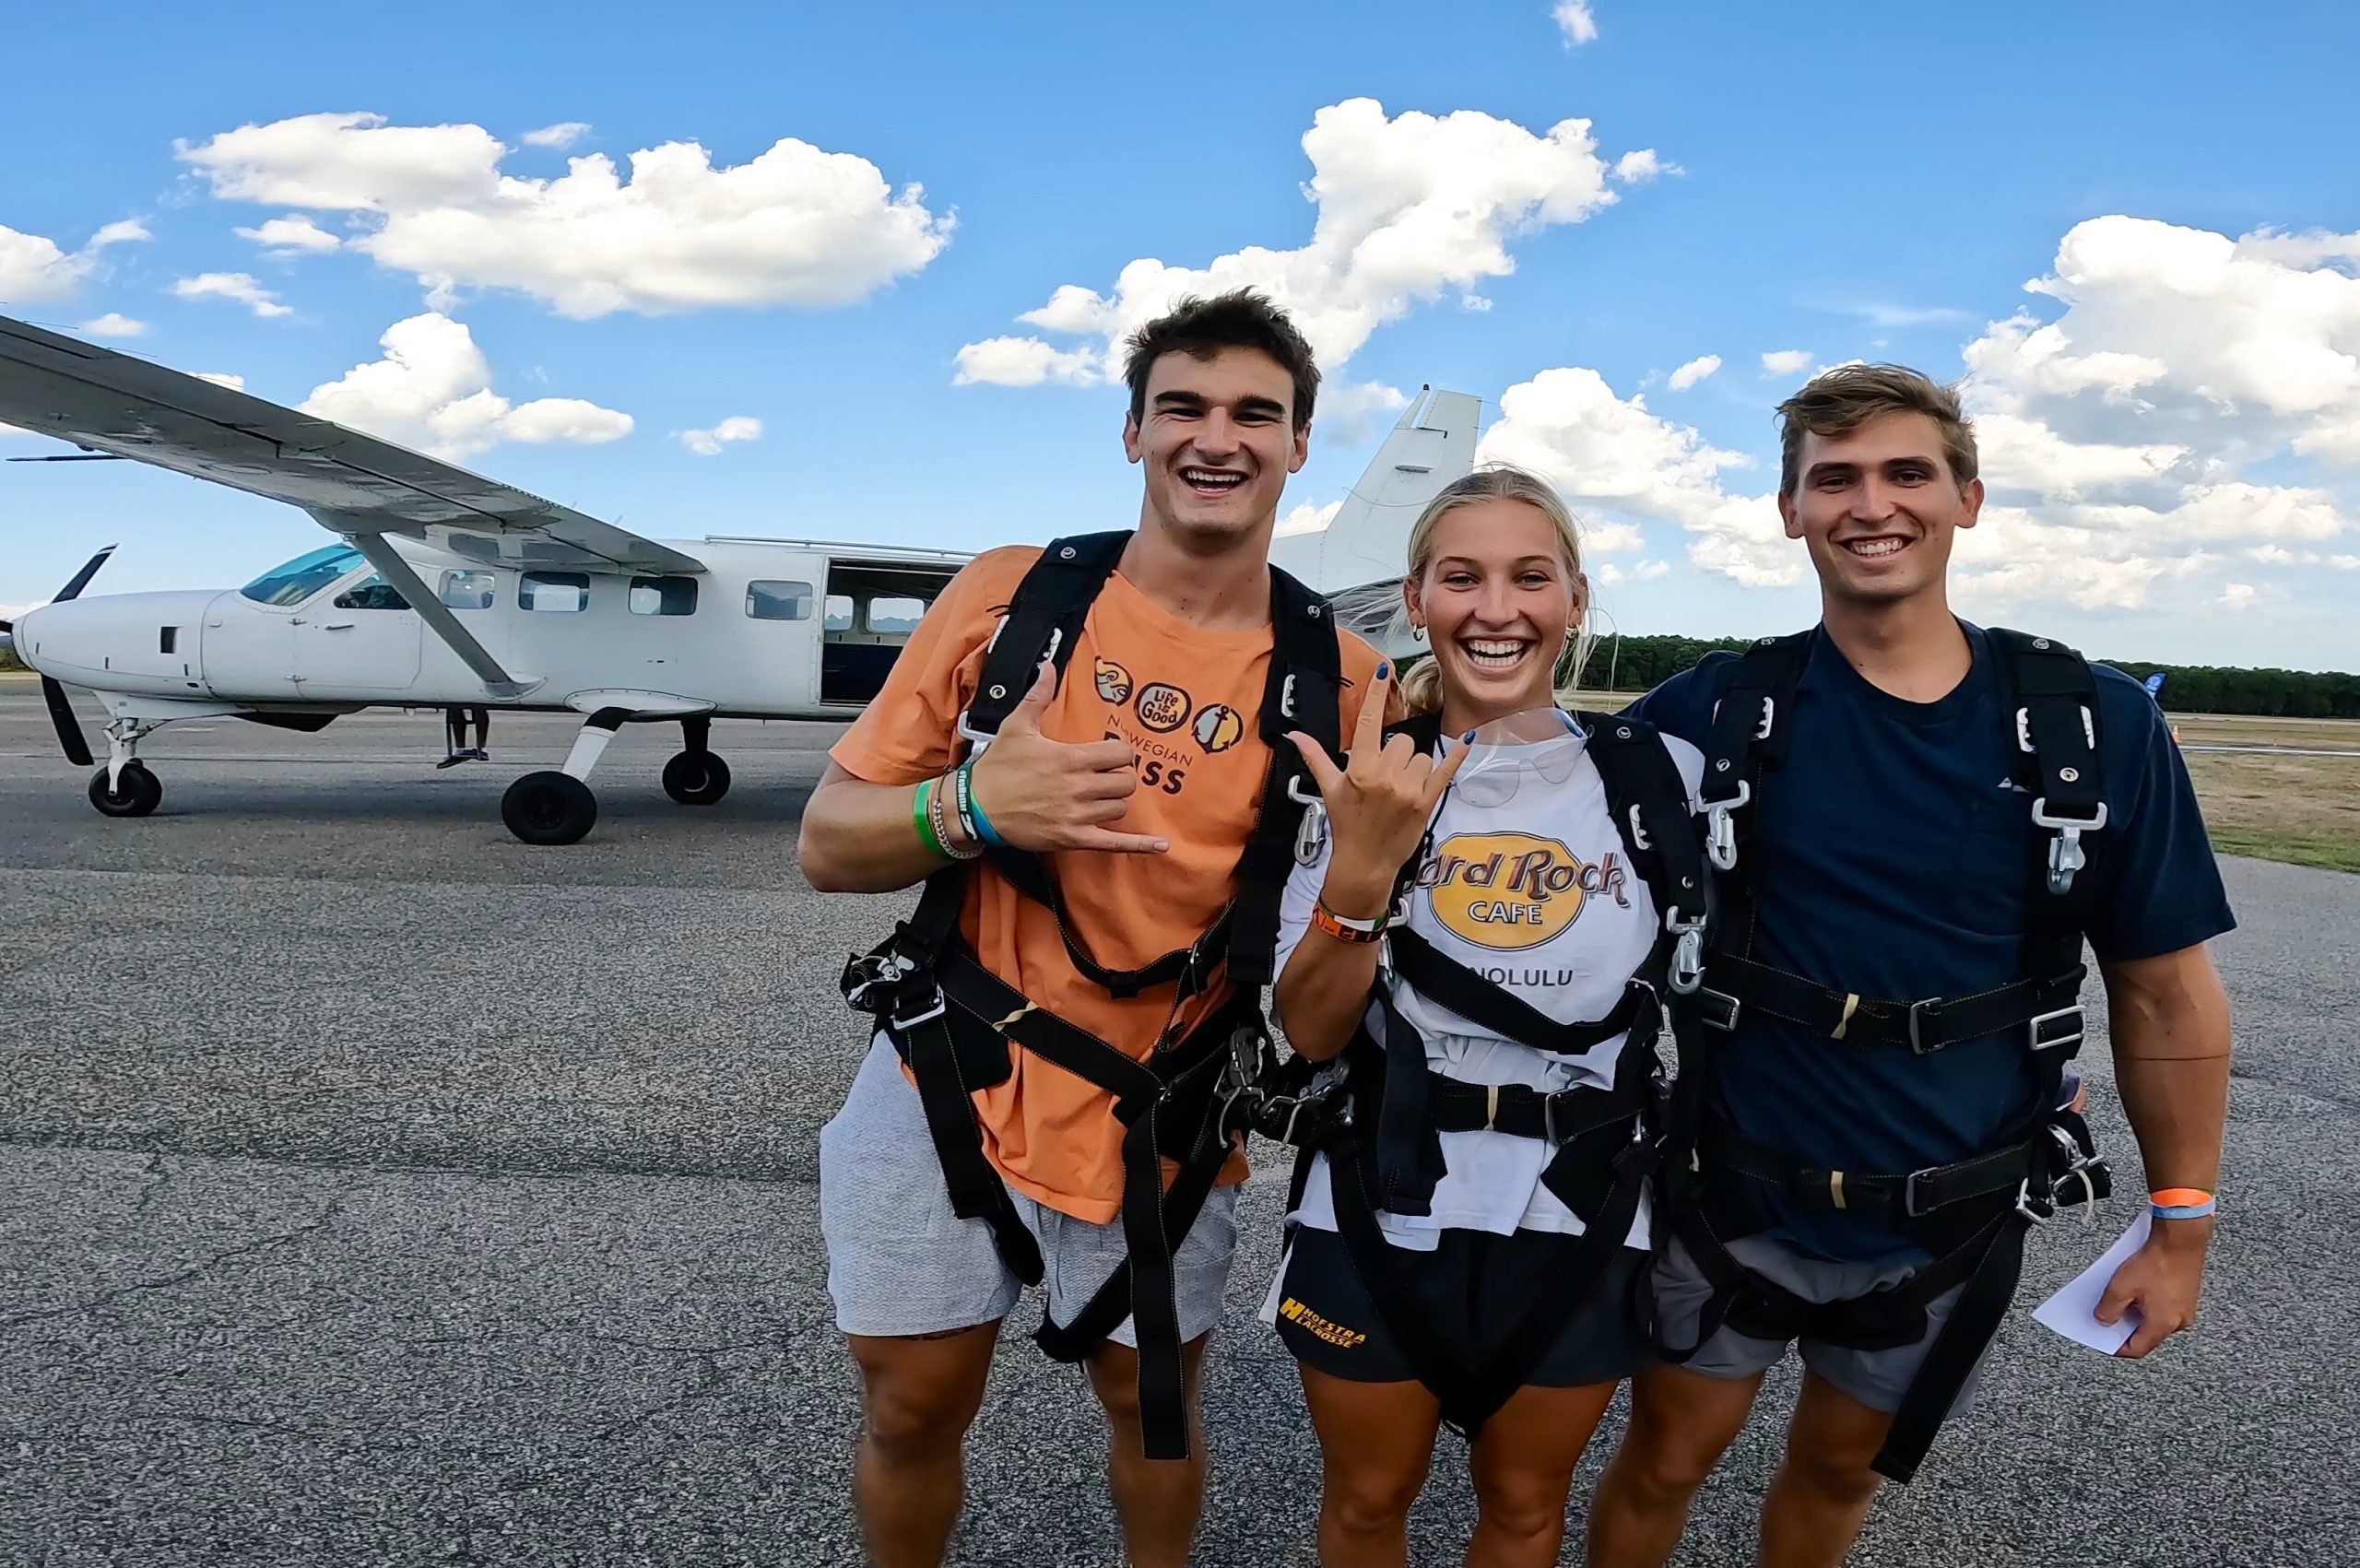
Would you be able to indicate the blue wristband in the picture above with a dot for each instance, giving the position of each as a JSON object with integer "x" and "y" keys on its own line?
{"x": 2184, "y": 1210}
{"x": 971, "y": 811}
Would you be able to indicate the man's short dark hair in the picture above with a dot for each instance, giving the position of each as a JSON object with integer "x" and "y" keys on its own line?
{"x": 1837, "y": 402}
{"x": 1241, "y": 318}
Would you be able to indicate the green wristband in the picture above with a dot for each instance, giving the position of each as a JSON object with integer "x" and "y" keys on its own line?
{"x": 924, "y": 821}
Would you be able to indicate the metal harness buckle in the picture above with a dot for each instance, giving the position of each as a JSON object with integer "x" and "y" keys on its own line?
{"x": 1717, "y": 1009}
{"x": 935, "y": 1010}
{"x": 866, "y": 971}
{"x": 1917, "y": 1012}
{"x": 1687, "y": 971}
{"x": 2065, "y": 854}
{"x": 1720, "y": 836}
{"x": 2061, "y": 1042}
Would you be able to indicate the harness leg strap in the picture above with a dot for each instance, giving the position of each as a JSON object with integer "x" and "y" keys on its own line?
{"x": 1351, "y": 1179}
{"x": 976, "y": 1190}
{"x": 1581, "y": 1265}
{"x": 1951, "y": 1360}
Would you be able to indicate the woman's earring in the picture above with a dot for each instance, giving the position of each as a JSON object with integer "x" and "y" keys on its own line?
{"x": 1416, "y": 633}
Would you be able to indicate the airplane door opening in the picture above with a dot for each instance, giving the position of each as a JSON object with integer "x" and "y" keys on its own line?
{"x": 869, "y": 615}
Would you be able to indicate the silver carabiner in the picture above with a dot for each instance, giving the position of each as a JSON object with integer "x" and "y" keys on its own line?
{"x": 1687, "y": 971}
{"x": 1720, "y": 835}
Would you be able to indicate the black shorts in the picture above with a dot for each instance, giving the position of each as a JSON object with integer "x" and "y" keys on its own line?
{"x": 1473, "y": 1287}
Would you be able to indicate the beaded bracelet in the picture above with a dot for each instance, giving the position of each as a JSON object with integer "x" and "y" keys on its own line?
{"x": 940, "y": 813}
{"x": 922, "y": 819}
{"x": 2182, "y": 1203}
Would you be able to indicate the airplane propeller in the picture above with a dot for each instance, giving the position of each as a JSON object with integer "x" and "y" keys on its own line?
{"x": 61, "y": 711}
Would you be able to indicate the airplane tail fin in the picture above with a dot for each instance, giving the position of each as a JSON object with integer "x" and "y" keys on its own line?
{"x": 1358, "y": 559}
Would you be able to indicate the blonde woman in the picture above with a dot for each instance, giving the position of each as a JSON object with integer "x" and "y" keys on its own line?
{"x": 1477, "y": 940}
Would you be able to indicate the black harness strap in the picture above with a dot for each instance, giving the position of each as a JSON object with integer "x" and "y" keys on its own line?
{"x": 1602, "y": 1152}
{"x": 953, "y": 1021}
{"x": 1972, "y": 1214}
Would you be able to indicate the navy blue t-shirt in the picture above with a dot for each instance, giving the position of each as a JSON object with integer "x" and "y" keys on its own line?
{"x": 1892, "y": 850}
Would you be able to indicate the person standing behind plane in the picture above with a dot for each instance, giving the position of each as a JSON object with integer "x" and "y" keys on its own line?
{"x": 1138, "y": 781}
{"x": 455, "y": 721}
{"x": 1525, "y": 1009}
{"x": 1915, "y": 843}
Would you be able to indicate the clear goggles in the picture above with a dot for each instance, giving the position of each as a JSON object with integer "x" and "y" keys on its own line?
{"x": 1538, "y": 748}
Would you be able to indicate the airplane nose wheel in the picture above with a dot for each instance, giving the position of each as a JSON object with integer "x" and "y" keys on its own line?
{"x": 696, "y": 778}
{"x": 137, "y": 793}
{"x": 547, "y": 808}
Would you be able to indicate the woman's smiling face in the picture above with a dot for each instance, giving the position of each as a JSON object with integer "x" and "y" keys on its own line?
{"x": 1496, "y": 600}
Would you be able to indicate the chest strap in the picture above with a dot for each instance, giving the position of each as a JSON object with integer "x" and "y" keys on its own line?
{"x": 2044, "y": 1014}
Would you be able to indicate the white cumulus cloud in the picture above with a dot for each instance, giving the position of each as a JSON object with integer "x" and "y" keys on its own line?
{"x": 222, "y": 378}
{"x": 1407, "y": 208}
{"x": 1694, "y": 371}
{"x": 432, "y": 391}
{"x": 1027, "y": 362}
{"x": 294, "y": 235}
{"x": 562, "y": 135}
{"x": 1574, "y": 21}
{"x": 1615, "y": 456}
{"x": 34, "y": 267}
{"x": 1643, "y": 164}
{"x": 243, "y": 286}
{"x": 112, "y": 325}
{"x": 1307, "y": 517}
{"x": 793, "y": 225}
{"x": 709, "y": 443}
{"x": 2189, "y": 395}
{"x": 1786, "y": 361}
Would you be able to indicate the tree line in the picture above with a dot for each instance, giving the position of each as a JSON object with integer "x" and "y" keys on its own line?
{"x": 1639, "y": 663}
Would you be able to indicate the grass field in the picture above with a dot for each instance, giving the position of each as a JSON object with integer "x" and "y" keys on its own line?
{"x": 2304, "y": 810}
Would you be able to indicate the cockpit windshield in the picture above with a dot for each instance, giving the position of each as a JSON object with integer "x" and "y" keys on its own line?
{"x": 298, "y": 580}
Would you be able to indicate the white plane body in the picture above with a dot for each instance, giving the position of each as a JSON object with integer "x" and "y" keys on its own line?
{"x": 445, "y": 588}
{"x": 770, "y": 629}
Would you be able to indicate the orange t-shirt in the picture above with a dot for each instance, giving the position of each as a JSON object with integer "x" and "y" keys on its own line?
{"x": 1186, "y": 700}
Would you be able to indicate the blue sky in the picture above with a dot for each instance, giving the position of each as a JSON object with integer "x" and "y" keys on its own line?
{"x": 2172, "y": 423}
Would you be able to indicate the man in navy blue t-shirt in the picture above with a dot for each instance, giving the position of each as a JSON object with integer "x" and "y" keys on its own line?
{"x": 1893, "y": 856}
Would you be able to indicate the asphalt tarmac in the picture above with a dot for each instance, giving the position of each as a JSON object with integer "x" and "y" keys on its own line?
{"x": 377, "y": 1190}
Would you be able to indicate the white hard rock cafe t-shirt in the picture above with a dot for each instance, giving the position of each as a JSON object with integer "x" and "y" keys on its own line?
{"x": 1537, "y": 894}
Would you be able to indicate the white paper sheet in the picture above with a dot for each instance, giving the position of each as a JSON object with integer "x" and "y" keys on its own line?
{"x": 2069, "y": 1311}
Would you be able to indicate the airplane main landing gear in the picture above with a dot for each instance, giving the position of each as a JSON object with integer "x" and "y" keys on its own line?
{"x": 124, "y": 787}
{"x": 548, "y": 809}
{"x": 558, "y": 807}
{"x": 695, "y": 776}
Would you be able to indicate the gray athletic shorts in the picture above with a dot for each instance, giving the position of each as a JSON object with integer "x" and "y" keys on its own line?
{"x": 1876, "y": 1378}
{"x": 900, "y": 1262}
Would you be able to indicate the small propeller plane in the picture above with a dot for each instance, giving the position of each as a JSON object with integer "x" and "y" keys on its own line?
{"x": 444, "y": 588}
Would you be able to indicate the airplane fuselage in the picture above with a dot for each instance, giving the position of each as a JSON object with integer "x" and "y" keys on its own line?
{"x": 770, "y": 629}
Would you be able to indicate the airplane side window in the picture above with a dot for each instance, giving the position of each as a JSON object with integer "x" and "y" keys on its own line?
{"x": 469, "y": 590}
{"x": 663, "y": 595}
{"x": 778, "y": 599}
{"x": 371, "y": 592}
{"x": 563, "y": 592}
{"x": 838, "y": 617}
{"x": 290, "y": 584}
{"x": 895, "y": 614}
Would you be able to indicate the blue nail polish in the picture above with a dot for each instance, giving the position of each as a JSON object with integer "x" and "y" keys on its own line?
{"x": 1468, "y": 737}
{"x": 1384, "y": 669}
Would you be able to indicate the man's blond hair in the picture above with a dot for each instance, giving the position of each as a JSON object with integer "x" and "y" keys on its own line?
{"x": 1840, "y": 401}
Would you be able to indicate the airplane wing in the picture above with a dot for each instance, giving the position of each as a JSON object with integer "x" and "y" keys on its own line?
{"x": 351, "y": 483}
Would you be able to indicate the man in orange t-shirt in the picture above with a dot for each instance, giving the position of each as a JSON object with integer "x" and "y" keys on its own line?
{"x": 1137, "y": 779}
